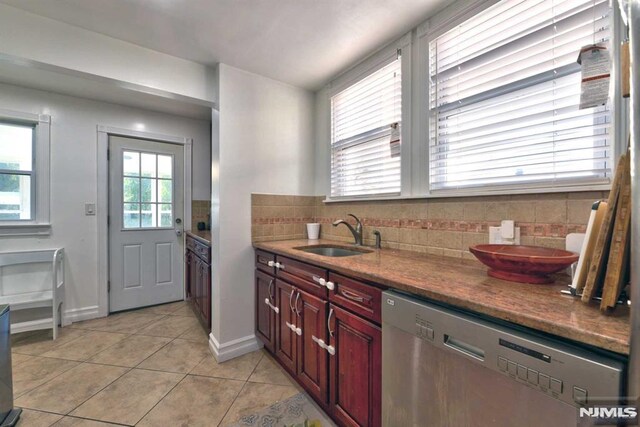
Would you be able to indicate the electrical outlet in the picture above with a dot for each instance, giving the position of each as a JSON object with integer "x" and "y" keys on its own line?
{"x": 89, "y": 209}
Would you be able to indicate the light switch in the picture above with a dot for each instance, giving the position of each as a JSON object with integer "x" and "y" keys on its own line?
{"x": 89, "y": 208}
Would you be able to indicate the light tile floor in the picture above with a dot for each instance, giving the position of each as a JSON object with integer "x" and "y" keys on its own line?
{"x": 149, "y": 367}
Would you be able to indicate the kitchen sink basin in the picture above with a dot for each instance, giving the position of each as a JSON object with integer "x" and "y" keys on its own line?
{"x": 333, "y": 251}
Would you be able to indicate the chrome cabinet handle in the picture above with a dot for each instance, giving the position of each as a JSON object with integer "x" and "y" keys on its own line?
{"x": 269, "y": 290}
{"x": 329, "y": 323}
{"x": 290, "y": 301}
{"x": 331, "y": 286}
{"x": 295, "y": 304}
{"x": 319, "y": 280}
{"x": 351, "y": 296}
{"x": 274, "y": 308}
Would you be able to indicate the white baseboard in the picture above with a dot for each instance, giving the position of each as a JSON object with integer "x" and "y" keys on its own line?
{"x": 233, "y": 349}
{"x": 80, "y": 314}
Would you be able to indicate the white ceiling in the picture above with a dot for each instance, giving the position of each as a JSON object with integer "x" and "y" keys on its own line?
{"x": 300, "y": 42}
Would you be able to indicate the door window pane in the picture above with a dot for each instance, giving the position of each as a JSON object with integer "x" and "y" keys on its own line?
{"x": 131, "y": 163}
{"x": 147, "y": 190}
{"x": 148, "y": 215}
{"x": 166, "y": 219}
{"x": 131, "y": 217}
{"x": 131, "y": 190}
{"x": 148, "y": 165}
{"x": 165, "y": 166}
{"x": 164, "y": 190}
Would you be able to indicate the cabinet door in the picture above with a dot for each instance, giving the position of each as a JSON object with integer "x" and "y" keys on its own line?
{"x": 205, "y": 301}
{"x": 188, "y": 282}
{"x": 355, "y": 372}
{"x": 198, "y": 283}
{"x": 313, "y": 360}
{"x": 265, "y": 314}
{"x": 286, "y": 338}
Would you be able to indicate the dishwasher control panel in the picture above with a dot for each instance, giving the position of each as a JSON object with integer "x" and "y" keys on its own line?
{"x": 557, "y": 368}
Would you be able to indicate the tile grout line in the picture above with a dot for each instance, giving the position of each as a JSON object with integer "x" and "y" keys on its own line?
{"x": 240, "y": 392}
{"x": 162, "y": 398}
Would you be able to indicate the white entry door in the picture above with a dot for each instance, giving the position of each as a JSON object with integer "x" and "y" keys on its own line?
{"x": 146, "y": 208}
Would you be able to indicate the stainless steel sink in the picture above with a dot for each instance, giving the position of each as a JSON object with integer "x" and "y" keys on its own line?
{"x": 333, "y": 251}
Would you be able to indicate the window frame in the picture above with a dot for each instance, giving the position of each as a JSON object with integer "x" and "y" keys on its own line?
{"x": 449, "y": 19}
{"x": 415, "y": 111}
{"x": 355, "y": 74}
{"x": 39, "y": 224}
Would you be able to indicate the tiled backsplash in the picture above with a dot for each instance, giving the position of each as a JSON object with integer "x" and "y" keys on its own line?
{"x": 200, "y": 210}
{"x": 276, "y": 217}
{"x": 445, "y": 226}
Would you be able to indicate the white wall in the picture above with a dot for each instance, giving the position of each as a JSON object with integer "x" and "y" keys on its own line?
{"x": 264, "y": 145}
{"x": 68, "y": 47}
{"x": 73, "y": 175}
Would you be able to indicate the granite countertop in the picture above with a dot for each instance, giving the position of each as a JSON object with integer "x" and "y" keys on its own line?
{"x": 202, "y": 235}
{"x": 465, "y": 284}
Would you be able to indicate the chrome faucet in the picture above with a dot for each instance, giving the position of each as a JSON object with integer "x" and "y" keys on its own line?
{"x": 357, "y": 232}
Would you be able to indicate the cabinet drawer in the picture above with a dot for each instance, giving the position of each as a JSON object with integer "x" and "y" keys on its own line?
{"x": 306, "y": 277}
{"x": 356, "y": 296}
{"x": 262, "y": 261}
{"x": 200, "y": 249}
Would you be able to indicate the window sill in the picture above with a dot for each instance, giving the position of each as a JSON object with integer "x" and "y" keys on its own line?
{"x": 28, "y": 229}
{"x": 447, "y": 194}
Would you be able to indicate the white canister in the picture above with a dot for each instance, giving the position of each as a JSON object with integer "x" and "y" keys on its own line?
{"x": 313, "y": 231}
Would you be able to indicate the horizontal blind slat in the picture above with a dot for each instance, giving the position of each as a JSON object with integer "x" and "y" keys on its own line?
{"x": 504, "y": 93}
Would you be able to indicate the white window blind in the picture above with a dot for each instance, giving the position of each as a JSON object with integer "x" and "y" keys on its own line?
{"x": 363, "y": 161}
{"x": 504, "y": 98}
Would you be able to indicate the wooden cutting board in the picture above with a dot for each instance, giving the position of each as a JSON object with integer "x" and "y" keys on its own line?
{"x": 615, "y": 276}
{"x": 601, "y": 251}
{"x": 593, "y": 229}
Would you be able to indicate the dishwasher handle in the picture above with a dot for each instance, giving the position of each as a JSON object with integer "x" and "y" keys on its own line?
{"x": 464, "y": 348}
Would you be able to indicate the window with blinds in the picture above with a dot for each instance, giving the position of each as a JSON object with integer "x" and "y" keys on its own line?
{"x": 364, "y": 160}
{"x": 504, "y": 98}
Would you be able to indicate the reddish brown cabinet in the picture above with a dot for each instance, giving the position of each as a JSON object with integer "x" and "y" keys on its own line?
{"x": 266, "y": 308}
{"x": 286, "y": 337}
{"x": 355, "y": 369}
{"x": 198, "y": 278}
{"x": 312, "y": 358}
{"x": 327, "y": 337}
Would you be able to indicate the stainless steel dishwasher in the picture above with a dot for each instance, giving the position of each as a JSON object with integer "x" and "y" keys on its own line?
{"x": 442, "y": 367}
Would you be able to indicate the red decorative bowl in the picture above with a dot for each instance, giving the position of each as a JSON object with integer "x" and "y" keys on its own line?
{"x": 524, "y": 264}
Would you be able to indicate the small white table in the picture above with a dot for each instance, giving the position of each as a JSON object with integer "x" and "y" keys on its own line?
{"x": 52, "y": 297}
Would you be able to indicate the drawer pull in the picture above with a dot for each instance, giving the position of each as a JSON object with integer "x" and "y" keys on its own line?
{"x": 331, "y": 286}
{"x": 271, "y": 264}
{"x": 274, "y": 308}
{"x": 319, "y": 280}
{"x": 352, "y": 296}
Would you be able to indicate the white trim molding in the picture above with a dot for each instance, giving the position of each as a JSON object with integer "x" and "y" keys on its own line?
{"x": 79, "y": 314}
{"x": 232, "y": 349}
{"x": 102, "y": 205}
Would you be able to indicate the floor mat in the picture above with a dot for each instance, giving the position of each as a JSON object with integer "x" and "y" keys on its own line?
{"x": 297, "y": 411}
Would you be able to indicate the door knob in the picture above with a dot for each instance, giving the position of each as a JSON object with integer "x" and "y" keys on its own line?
{"x": 178, "y": 232}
